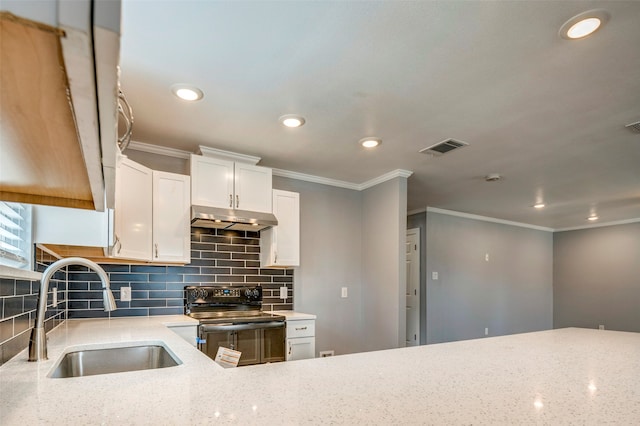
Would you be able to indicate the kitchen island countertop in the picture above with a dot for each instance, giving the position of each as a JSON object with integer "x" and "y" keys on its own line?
{"x": 562, "y": 376}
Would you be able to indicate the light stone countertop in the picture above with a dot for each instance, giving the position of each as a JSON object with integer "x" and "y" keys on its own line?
{"x": 567, "y": 376}
{"x": 293, "y": 315}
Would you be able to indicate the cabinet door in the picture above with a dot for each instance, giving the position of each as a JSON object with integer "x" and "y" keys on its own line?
{"x": 287, "y": 233}
{"x": 171, "y": 218}
{"x": 133, "y": 216}
{"x": 301, "y": 348}
{"x": 273, "y": 344}
{"x": 213, "y": 340}
{"x": 280, "y": 245}
{"x": 248, "y": 342}
{"x": 253, "y": 186}
{"x": 211, "y": 182}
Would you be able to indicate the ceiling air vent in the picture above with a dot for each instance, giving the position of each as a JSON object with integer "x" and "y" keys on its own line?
{"x": 443, "y": 147}
{"x": 634, "y": 127}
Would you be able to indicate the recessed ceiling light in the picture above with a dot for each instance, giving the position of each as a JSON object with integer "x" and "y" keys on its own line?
{"x": 583, "y": 24}
{"x": 539, "y": 206}
{"x": 292, "y": 120}
{"x": 593, "y": 218}
{"x": 186, "y": 92}
{"x": 370, "y": 142}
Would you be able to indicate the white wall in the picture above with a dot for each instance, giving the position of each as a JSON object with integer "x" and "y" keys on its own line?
{"x": 384, "y": 225}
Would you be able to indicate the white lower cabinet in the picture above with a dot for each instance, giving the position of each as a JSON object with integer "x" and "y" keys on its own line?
{"x": 301, "y": 340}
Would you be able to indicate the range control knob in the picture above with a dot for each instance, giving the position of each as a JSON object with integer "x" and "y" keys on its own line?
{"x": 256, "y": 293}
{"x": 193, "y": 293}
{"x": 247, "y": 292}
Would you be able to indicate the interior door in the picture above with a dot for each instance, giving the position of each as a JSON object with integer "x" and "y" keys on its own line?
{"x": 413, "y": 287}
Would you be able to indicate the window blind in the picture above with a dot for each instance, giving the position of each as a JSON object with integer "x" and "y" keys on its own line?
{"x": 15, "y": 234}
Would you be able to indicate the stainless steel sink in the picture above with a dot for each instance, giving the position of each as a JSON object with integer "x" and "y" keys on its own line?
{"x": 89, "y": 362}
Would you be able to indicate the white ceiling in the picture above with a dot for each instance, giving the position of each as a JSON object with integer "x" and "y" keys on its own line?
{"x": 546, "y": 113}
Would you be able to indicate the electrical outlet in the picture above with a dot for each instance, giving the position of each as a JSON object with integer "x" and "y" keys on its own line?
{"x": 55, "y": 296}
{"x": 324, "y": 354}
{"x": 434, "y": 276}
{"x": 125, "y": 294}
{"x": 486, "y": 331}
{"x": 283, "y": 292}
{"x": 601, "y": 327}
{"x": 486, "y": 257}
{"x": 344, "y": 294}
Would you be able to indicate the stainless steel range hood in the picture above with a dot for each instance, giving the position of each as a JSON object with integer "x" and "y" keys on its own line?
{"x": 241, "y": 220}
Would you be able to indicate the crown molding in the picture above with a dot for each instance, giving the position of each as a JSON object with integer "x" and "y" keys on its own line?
{"x": 228, "y": 155}
{"x": 316, "y": 179}
{"x": 160, "y": 150}
{"x": 488, "y": 219}
{"x": 385, "y": 177}
{"x": 599, "y": 225}
{"x": 250, "y": 159}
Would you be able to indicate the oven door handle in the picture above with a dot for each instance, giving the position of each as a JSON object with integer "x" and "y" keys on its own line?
{"x": 205, "y": 328}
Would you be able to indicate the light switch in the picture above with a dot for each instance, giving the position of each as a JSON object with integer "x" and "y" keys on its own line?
{"x": 55, "y": 296}
{"x": 344, "y": 292}
{"x": 434, "y": 276}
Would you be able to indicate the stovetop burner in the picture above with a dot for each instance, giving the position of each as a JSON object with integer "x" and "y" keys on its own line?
{"x": 215, "y": 305}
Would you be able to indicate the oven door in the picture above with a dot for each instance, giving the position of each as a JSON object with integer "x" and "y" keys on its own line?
{"x": 259, "y": 342}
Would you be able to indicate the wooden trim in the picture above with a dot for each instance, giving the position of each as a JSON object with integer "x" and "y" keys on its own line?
{"x": 18, "y": 197}
{"x": 8, "y": 16}
{"x": 42, "y": 160}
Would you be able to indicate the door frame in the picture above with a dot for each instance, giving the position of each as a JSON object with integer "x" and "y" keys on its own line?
{"x": 416, "y": 232}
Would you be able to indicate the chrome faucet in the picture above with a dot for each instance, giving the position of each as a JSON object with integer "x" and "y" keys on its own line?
{"x": 38, "y": 341}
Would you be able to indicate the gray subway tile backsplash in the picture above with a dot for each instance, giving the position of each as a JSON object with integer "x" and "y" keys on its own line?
{"x": 218, "y": 257}
{"x": 18, "y": 303}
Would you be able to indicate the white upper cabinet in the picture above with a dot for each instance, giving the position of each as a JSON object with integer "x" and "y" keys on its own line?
{"x": 211, "y": 182}
{"x": 152, "y": 215}
{"x": 280, "y": 245}
{"x": 222, "y": 183}
{"x": 171, "y": 218}
{"x": 133, "y": 214}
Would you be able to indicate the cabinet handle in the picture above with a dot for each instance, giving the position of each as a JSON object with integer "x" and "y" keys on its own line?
{"x": 237, "y": 201}
{"x": 289, "y": 348}
{"x": 230, "y": 201}
{"x": 301, "y": 328}
{"x": 156, "y": 250}
{"x": 119, "y": 244}
{"x": 275, "y": 257}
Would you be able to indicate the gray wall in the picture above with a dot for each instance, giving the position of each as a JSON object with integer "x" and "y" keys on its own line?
{"x": 596, "y": 278}
{"x": 159, "y": 162}
{"x": 419, "y": 221}
{"x": 511, "y": 293}
{"x": 330, "y": 258}
{"x": 384, "y": 227}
